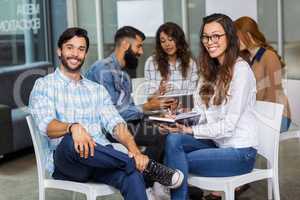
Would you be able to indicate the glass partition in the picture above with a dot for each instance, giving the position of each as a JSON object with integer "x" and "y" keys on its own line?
{"x": 22, "y": 32}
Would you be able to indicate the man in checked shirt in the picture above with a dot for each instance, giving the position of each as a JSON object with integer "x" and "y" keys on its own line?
{"x": 71, "y": 111}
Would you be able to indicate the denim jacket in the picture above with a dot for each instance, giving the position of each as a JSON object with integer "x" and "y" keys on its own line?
{"x": 108, "y": 72}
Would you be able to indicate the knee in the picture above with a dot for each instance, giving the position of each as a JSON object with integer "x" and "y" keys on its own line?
{"x": 67, "y": 144}
{"x": 173, "y": 142}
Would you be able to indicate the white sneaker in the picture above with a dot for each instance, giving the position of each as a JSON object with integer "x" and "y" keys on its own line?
{"x": 150, "y": 194}
{"x": 161, "y": 192}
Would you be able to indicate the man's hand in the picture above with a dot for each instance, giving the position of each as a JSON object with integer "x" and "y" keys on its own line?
{"x": 141, "y": 160}
{"x": 156, "y": 103}
{"x": 83, "y": 142}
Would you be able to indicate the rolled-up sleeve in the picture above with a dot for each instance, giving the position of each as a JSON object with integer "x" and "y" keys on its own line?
{"x": 224, "y": 126}
{"x": 41, "y": 105}
{"x": 109, "y": 116}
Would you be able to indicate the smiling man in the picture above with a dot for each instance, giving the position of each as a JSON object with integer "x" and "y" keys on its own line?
{"x": 71, "y": 112}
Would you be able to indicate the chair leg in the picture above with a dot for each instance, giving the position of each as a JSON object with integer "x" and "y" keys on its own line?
{"x": 270, "y": 189}
{"x": 229, "y": 194}
{"x": 41, "y": 193}
{"x": 276, "y": 188}
{"x": 91, "y": 196}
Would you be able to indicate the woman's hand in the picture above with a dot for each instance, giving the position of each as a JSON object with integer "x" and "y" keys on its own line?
{"x": 164, "y": 87}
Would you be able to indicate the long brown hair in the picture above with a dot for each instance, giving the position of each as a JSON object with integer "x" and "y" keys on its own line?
{"x": 245, "y": 26}
{"x": 183, "y": 51}
{"x": 217, "y": 76}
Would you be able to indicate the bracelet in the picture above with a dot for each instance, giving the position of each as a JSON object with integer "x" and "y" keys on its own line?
{"x": 69, "y": 128}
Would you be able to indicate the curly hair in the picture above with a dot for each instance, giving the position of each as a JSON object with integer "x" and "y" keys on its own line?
{"x": 183, "y": 51}
{"x": 245, "y": 26}
{"x": 217, "y": 76}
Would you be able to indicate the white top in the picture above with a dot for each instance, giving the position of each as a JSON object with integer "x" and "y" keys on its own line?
{"x": 233, "y": 123}
{"x": 179, "y": 85}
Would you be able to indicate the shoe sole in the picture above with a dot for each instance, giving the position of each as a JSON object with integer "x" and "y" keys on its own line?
{"x": 179, "y": 181}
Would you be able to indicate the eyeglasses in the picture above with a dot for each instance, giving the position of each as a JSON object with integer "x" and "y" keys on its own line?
{"x": 214, "y": 38}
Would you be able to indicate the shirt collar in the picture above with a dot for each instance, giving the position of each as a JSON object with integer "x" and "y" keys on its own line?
{"x": 66, "y": 80}
{"x": 116, "y": 63}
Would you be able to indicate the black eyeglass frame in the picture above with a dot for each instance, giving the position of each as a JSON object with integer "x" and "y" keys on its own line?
{"x": 214, "y": 38}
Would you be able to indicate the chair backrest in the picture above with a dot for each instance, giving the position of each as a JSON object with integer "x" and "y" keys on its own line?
{"x": 39, "y": 141}
{"x": 268, "y": 117}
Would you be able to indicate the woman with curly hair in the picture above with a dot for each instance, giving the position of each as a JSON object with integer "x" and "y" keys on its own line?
{"x": 171, "y": 69}
{"x": 266, "y": 65}
{"x": 222, "y": 142}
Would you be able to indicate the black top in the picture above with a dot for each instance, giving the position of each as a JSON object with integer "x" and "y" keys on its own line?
{"x": 258, "y": 55}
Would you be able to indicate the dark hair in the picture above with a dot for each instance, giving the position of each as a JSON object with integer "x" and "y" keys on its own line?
{"x": 69, "y": 33}
{"x": 183, "y": 52}
{"x": 217, "y": 76}
{"x": 245, "y": 25}
{"x": 127, "y": 32}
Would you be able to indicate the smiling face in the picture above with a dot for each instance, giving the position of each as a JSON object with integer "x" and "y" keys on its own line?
{"x": 168, "y": 44}
{"x": 72, "y": 54}
{"x": 214, "y": 40}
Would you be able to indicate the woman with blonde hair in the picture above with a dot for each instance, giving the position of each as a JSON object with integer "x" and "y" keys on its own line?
{"x": 266, "y": 64}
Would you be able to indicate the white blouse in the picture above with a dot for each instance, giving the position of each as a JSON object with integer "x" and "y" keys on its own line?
{"x": 233, "y": 123}
{"x": 179, "y": 85}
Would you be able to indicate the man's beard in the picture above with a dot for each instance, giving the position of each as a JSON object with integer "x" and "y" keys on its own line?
{"x": 66, "y": 65}
{"x": 131, "y": 60}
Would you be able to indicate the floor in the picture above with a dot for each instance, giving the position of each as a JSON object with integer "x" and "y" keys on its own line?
{"x": 18, "y": 178}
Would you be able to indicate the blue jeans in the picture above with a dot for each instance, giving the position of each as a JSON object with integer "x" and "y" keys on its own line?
{"x": 108, "y": 166}
{"x": 285, "y": 124}
{"x": 204, "y": 158}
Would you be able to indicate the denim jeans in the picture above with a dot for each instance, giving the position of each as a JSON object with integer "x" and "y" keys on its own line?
{"x": 285, "y": 124}
{"x": 204, "y": 158}
{"x": 108, "y": 166}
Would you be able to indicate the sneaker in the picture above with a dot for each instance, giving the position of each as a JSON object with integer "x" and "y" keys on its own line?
{"x": 161, "y": 191}
{"x": 172, "y": 178}
{"x": 150, "y": 194}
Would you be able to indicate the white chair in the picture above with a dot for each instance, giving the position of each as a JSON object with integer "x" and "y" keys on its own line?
{"x": 138, "y": 90}
{"x": 268, "y": 120}
{"x": 91, "y": 190}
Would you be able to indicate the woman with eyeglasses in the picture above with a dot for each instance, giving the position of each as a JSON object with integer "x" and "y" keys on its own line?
{"x": 266, "y": 65}
{"x": 171, "y": 69}
{"x": 222, "y": 143}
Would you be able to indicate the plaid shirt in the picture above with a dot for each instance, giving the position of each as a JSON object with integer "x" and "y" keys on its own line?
{"x": 58, "y": 97}
{"x": 179, "y": 85}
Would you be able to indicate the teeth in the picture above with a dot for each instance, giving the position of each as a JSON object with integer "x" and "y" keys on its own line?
{"x": 212, "y": 48}
{"x": 73, "y": 61}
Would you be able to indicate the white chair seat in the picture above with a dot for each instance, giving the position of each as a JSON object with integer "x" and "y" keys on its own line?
{"x": 220, "y": 183}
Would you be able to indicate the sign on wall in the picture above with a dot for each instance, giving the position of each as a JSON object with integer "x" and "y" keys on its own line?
{"x": 145, "y": 15}
{"x": 232, "y": 8}
{"x": 27, "y": 18}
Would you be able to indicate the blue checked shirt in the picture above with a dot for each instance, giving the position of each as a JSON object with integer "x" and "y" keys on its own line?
{"x": 55, "y": 96}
